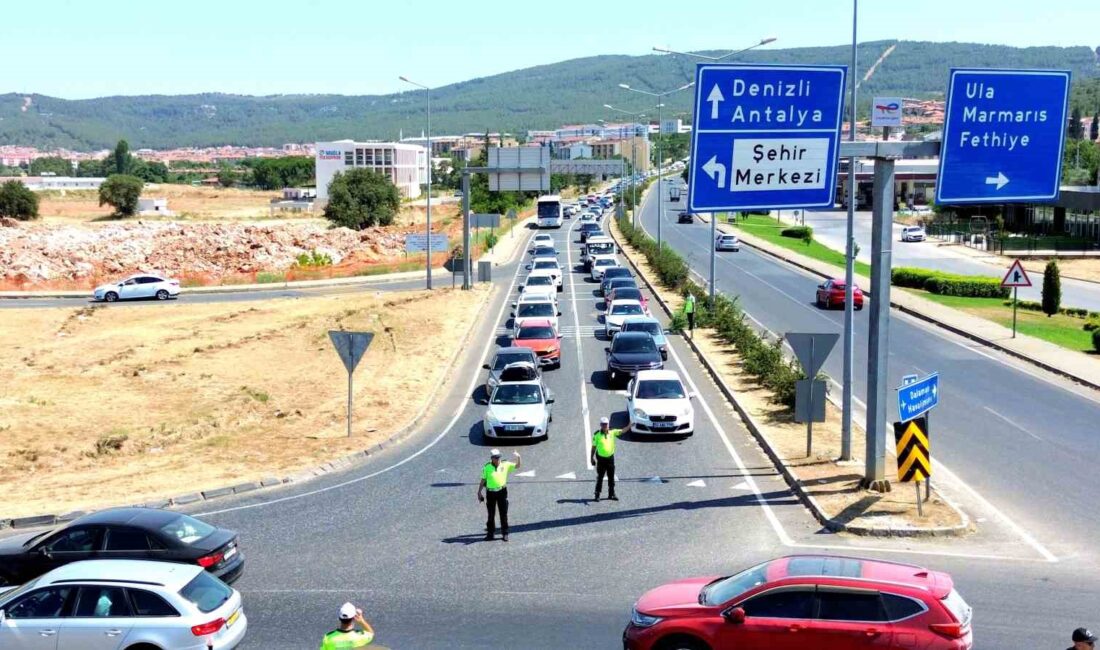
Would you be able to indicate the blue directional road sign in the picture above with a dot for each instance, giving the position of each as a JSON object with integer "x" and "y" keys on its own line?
{"x": 918, "y": 397}
{"x": 765, "y": 137}
{"x": 1003, "y": 134}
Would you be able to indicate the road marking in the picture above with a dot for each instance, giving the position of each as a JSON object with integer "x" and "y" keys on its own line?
{"x": 699, "y": 483}
{"x": 580, "y": 356}
{"x": 651, "y": 479}
{"x": 569, "y": 475}
{"x": 741, "y": 486}
{"x": 474, "y": 380}
{"x": 1011, "y": 423}
{"x": 528, "y": 474}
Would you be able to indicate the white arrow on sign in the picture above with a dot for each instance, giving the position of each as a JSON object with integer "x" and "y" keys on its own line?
{"x": 716, "y": 171}
{"x": 1000, "y": 180}
{"x": 715, "y": 97}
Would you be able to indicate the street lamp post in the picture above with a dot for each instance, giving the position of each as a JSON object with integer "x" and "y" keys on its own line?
{"x": 633, "y": 161}
{"x": 428, "y": 227}
{"x": 713, "y": 217}
{"x": 849, "y": 266}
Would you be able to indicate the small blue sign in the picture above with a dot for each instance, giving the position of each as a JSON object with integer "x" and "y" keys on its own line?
{"x": 1003, "y": 135}
{"x": 765, "y": 136}
{"x": 918, "y": 397}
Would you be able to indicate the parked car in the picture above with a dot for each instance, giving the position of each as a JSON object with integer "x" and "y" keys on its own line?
{"x": 534, "y": 311}
{"x": 116, "y": 604}
{"x": 829, "y": 602}
{"x": 520, "y": 406}
{"x": 685, "y": 217}
{"x": 658, "y": 402}
{"x": 627, "y": 293}
{"x": 912, "y": 233}
{"x": 830, "y": 294}
{"x": 651, "y": 326}
{"x": 727, "y": 242}
{"x": 137, "y": 287}
{"x": 501, "y": 360}
{"x": 129, "y": 533}
{"x": 617, "y": 311}
{"x": 629, "y": 353}
{"x": 601, "y": 263}
{"x": 541, "y": 337}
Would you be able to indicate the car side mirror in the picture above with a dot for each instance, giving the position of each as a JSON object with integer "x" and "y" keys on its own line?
{"x": 559, "y": 313}
{"x": 43, "y": 551}
{"x": 485, "y": 366}
{"x": 821, "y": 286}
{"x": 607, "y": 350}
{"x": 528, "y": 267}
{"x": 693, "y": 395}
{"x": 735, "y": 616}
{"x": 550, "y": 399}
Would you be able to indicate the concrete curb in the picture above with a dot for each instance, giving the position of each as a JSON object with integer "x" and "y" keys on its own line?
{"x": 341, "y": 463}
{"x": 792, "y": 481}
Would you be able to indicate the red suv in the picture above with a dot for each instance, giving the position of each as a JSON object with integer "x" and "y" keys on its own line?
{"x": 798, "y": 602}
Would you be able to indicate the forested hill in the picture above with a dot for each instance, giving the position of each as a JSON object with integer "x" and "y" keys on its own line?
{"x": 534, "y": 98}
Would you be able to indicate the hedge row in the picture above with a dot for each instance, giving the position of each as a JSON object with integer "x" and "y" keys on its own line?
{"x": 947, "y": 284}
{"x": 1077, "y": 312}
{"x": 761, "y": 356}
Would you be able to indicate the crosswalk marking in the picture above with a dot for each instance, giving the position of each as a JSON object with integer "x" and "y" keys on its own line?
{"x": 742, "y": 486}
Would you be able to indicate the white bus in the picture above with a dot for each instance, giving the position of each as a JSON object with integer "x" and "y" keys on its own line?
{"x": 550, "y": 211}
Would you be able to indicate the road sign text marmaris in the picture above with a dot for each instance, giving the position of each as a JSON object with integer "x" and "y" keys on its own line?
{"x": 765, "y": 136}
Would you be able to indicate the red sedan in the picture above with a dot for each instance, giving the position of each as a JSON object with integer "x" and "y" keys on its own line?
{"x": 831, "y": 294}
{"x": 539, "y": 335}
{"x": 819, "y": 602}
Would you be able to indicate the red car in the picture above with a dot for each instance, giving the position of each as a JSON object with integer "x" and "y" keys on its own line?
{"x": 539, "y": 335}
{"x": 799, "y": 602}
{"x": 831, "y": 294}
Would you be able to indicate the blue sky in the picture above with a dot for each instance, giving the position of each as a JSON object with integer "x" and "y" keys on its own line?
{"x": 91, "y": 48}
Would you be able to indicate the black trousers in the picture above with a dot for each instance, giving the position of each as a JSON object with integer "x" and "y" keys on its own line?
{"x": 495, "y": 501}
{"x": 691, "y": 321}
{"x": 605, "y": 466}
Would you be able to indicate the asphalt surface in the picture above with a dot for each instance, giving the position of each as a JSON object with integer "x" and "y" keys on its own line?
{"x": 831, "y": 229}
{"x": 401, "y": 535}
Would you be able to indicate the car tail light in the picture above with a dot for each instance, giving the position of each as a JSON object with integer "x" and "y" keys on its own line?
{"x": 208, "y": 561}
{"x": 949, "y": 630}
{"x": 208, "y": 628}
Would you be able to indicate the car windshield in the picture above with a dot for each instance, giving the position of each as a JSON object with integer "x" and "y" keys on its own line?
{"x": 729, "y": 238}
{"x": 517, "y": 394}
{"x": 206, "y": 592}
{"x": 726, "y": 589}
{"x": 530, "y": 309}
{"x": 628, "y": 293}
{"x": 660, "y": 389}
{"x": 541, "y": 332}
{"x": 539, "y": 281}
{"x": 12, "y": 595}
{"x": 627, "y": 309}
{"x": 512, "y": 357}
{"x": 544, "y": 251}
{"x": 546, "y": 265}
{"x": 605, "y": 262}
{"x": 647, "y": 327}
{"x": 186, "y": 529}
{"x": 633, "y": 344}
{"x": 600, "y": 249}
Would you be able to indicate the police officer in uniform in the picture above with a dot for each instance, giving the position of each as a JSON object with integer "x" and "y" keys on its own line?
{"x": 603, "y": 457}
{"x": 494, "y": 480}
{"x": 689, "y": 311}
{"x": 1083, "y": 639}
{"x": 346, "y": 636}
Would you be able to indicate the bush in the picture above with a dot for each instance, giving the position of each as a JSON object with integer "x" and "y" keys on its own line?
{"x": 1096, "y": 340}
{"x": 1052, "y": 289}
{"x": 946, "y": 284}
{"x": 910, "y": 277}
{"x": 362, "y": 198}
{"x": 805, "y": 233}
{"x": 313, "y": 258}
{"x": 121, "y": 192}
{"x": 18, "y": 201}
{"x": 491, "y": 240}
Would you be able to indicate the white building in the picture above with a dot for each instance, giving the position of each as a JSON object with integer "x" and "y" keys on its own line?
{"x": 154, "y": 206}
{"x": 671, "y": 126}
{"x": 38, "y": 183}
{"x": 405, "y": 164}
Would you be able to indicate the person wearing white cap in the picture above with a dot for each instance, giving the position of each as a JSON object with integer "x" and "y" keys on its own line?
{"x": 494, "y": 479}
{"x": 346, "y": 636}
{"x": 603, "y": 456}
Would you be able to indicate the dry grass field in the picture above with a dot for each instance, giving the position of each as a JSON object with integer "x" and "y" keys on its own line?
{"x": 109, "y": 405}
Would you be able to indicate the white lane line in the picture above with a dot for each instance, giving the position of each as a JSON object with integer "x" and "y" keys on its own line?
{"x": 580, "y": 357}
{"x": 489, "y": 345}
{"x": 568, "y": 475}
{"x": 1011, "y": 423}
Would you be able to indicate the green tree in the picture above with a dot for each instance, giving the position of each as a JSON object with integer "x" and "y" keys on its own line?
{"x": 277, "y": 173}
{"x": 18, "y": 201}
{"x": 1094, "y": 128}
{"x": 226, "y": 176}
{"x": 122, "y": 193}
{"x": 122, "y": 157}
{"x": 1052, "y": 288}
{"x": 90, "y": 169}
{"x": 1075, "y": 130}
{"x": 362, "y": 198}
{"x": 150, "y": 172}
{"x": 51, "y": 165}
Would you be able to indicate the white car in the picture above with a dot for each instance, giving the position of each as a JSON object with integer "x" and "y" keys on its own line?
{"x": 540, "y": 282}
{"x": 554, "y": 275}
{"x": 658, "y": 402}
{"x": 115, "y": 604}
{"x": 519, "y": 409}
{"x": 542, "y": 239}
{"x": 912, "y": 233}
{"x": 142, "y": 285}
{"x": 534, "y": 310}
{"x": 536, "y": 296}
{"x": 549, "y": 265}
{"x": 617, "y": 312}
{"x": 586, "y": 217}
{"x": 601, "y": 263}
{"x": 727, "y": 242}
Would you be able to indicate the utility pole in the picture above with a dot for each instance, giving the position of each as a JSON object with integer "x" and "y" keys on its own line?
{"x": 849, "y": 265}
{"x": 428, "y": 227}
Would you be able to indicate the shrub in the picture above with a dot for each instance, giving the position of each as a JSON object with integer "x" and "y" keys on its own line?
{"x": 1052, "y": 288}
{"x": 910, "y": 277}
{"x": 18, "y": 201}
{"x": 110, "y": 443}
{"x": 1096, "y": 340}
{"x": 805, "y": 233}
{"x": 965, "y": 286}
{"x": 491, "y": 240}
{"x": 313, "y": 258}
{"x": 121, "y": 192}
{"x": 362, "y": 198}
{"x": 1091, "y": 325}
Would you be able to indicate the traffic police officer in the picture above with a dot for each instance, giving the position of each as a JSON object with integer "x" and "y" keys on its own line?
{"x": 494, "y": 480}
{"x": 346, "y": 636}
{"x": 603, "y": 457}
{"x": 1083, "y": 639}
{"x": 689, "y": 311}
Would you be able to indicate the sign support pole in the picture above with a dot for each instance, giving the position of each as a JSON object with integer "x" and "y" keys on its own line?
{"x": 810, "y": 420}
{"x": 466, "y": 229}
{"x": 349, "y": 403}
{"x": 849, "y": 264}
{"x": 920, "y": 508}
{"x": 928, "y": 432}
{"x": 878, "y": 340}
{"x": 1015, "y": 305}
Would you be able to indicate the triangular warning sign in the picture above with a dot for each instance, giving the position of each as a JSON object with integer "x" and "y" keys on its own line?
{"x": 1016, "y": 276}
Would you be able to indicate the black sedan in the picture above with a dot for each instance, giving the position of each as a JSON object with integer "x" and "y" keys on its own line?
{"x": 685, "y": 217}
{"x": 613, "y": 273}
{"x": 589, "y": 229}
{"x": 629, "y": 353}
{"x": 130, "y": 533}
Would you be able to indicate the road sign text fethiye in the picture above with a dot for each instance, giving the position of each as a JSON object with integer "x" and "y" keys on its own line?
{"x": 765, "y": 136}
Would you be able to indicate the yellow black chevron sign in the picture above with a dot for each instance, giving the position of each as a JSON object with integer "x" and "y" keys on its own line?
{"x": 914, "y": 453}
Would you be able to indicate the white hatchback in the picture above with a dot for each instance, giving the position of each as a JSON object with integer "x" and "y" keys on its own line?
{"x": 658, "y": 402}
{"x": 142, "y": 285}
{"x": 601, "y": 263}
{"x": 114, "y": 604}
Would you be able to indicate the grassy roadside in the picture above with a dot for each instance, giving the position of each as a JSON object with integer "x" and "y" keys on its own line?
{"x": 767, "y": 229}
{"x": 1059, "y": 329}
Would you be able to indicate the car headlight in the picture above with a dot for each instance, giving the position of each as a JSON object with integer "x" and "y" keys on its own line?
{"x": 687, "y": 411}
{"x": 492, "y": 420}
{"x": 638, "y": 619}
{"x": 639, "y": 414}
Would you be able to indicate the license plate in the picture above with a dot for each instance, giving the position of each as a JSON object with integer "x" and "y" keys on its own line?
{"x": 513, "y": 427}
{"x": 663, "y": 425}
{"x": 233, "y": 618}
{"x": 230, "y": 553}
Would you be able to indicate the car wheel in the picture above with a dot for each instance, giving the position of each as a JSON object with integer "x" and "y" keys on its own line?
{"x": 859, "y": 306}
{"x": 111, "y": 296}
{"x": 817, "y": 301}
{"x": 162, "y": 295}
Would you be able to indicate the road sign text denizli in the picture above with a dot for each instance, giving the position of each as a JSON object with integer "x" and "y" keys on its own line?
{"x": 765, "y": 136}
{"x": 1003, "y": 135}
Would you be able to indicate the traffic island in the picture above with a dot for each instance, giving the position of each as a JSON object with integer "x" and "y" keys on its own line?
{"x": 829, "y": 489}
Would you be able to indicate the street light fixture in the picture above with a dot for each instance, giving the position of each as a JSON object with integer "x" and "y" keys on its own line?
{"x": 633, "y": 160}
{"x": 428, "y": 228}
{"x": 660, "y": 149}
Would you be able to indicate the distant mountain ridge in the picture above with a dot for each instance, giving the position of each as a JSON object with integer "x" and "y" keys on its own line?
{"x": 540, "y": 97}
